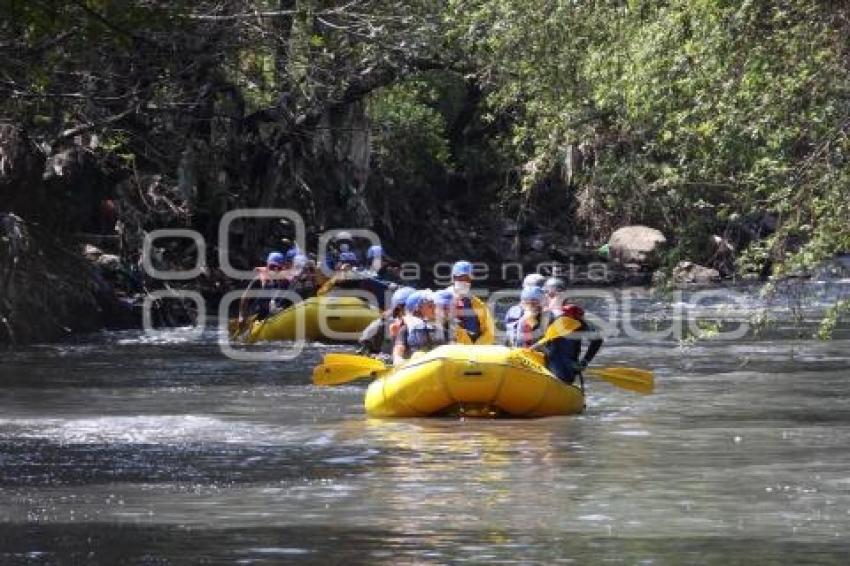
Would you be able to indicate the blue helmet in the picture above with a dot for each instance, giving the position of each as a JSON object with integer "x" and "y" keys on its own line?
{"x": 299, "y": 260}
{"x": 291, "y": 253}
{"x": 443, "y": 298}
{"x": 532, "y": 294}
{"x": 375, "y": 251}
{"x": 417, "y": 299}
{"x": 461, "y": 268}
{"x": 275, "y": 258}
{"x": 400, "y": 297}
{"x": 347, "y": 257}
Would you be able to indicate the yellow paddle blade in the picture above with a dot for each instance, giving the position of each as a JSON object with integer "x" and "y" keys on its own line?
{"x": 331, "y": 374}
{"x": 561, "y": 327}
{"x": 632, "y": 379}
{"x": 363, "y": 362}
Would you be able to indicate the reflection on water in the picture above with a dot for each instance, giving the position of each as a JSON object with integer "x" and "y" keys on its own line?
{"x": 120, "y": 447}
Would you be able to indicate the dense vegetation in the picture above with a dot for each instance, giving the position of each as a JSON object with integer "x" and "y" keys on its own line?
{"x": 698, "y": 117}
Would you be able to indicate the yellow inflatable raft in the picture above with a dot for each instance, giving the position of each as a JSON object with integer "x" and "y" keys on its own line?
{"x": 473, "y": 381}
{"x": 339, "y": 319}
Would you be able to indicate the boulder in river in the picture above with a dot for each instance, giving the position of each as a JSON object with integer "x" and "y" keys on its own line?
{"x": 636, "y": 245}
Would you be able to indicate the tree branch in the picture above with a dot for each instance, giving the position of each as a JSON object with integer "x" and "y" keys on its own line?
{"x": 70, "y": 133}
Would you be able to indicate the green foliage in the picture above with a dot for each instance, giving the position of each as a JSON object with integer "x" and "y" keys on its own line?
{"x": 254, "y": 72}
{"x": 831, "y": 318}
{"x": 410, "y": 139}
{"x": 695, "y": 116}
{"x": 691, "y": 109}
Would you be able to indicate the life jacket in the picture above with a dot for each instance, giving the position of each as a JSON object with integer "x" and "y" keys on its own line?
{"x": 514, "y": 314}
{"x": 395, "y": 327}
{"x": 263, "y": 305}
{"x": 562, "y": 354}
{"x": 304, "y": 284}
{"x": 475, "y": 320}
{"x": 468, "y": 318}
{"x": 419, "y": 335}
{"x": 376, "y": 338}
{"x": 522, "y": 335}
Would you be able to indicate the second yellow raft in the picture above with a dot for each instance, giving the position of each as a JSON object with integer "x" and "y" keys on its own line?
{"x": 474, "y": 381}
{"x": 339, "y": 319}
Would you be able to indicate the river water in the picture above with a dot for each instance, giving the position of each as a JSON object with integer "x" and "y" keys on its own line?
{"x": 124, "y": 447}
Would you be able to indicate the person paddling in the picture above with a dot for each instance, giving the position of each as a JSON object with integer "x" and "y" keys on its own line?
{"x": 303, "y": 279}
{"x": 348, "y": 277}
{"x": 563, "y": 353}
{"x": 269, "y": 277}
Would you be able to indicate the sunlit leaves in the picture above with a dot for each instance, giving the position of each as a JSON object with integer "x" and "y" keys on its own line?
{"x": 702, "y": 102}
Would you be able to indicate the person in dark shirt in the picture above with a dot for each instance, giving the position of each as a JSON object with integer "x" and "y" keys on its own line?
{"x": 563, "y": 354}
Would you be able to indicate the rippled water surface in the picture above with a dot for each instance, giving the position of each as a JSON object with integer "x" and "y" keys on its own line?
{"x": 124, "y": 447}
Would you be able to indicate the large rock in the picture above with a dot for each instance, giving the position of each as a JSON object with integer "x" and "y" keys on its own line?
{"x": 689, "y": 273}
{"x": 636, "y": 244}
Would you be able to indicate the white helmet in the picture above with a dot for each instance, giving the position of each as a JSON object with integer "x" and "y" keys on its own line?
{"x": 533, "y": 280}
{"x": 554, "y": 285}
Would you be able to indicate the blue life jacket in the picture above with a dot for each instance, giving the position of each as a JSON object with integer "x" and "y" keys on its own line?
{"x": 468, "y": 318}
{"x": 514, "y": 314}
{"x": 419, "y": 335}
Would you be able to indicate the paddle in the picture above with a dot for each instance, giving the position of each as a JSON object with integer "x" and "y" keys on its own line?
{"x": 338, "y": 374}
{"x": 631, "y": 379}
{"x": 365, "y": 362}
{"x": 558, "y": 329}
{"x": 339, "y": 368}
{"x": 344, "y": 368}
